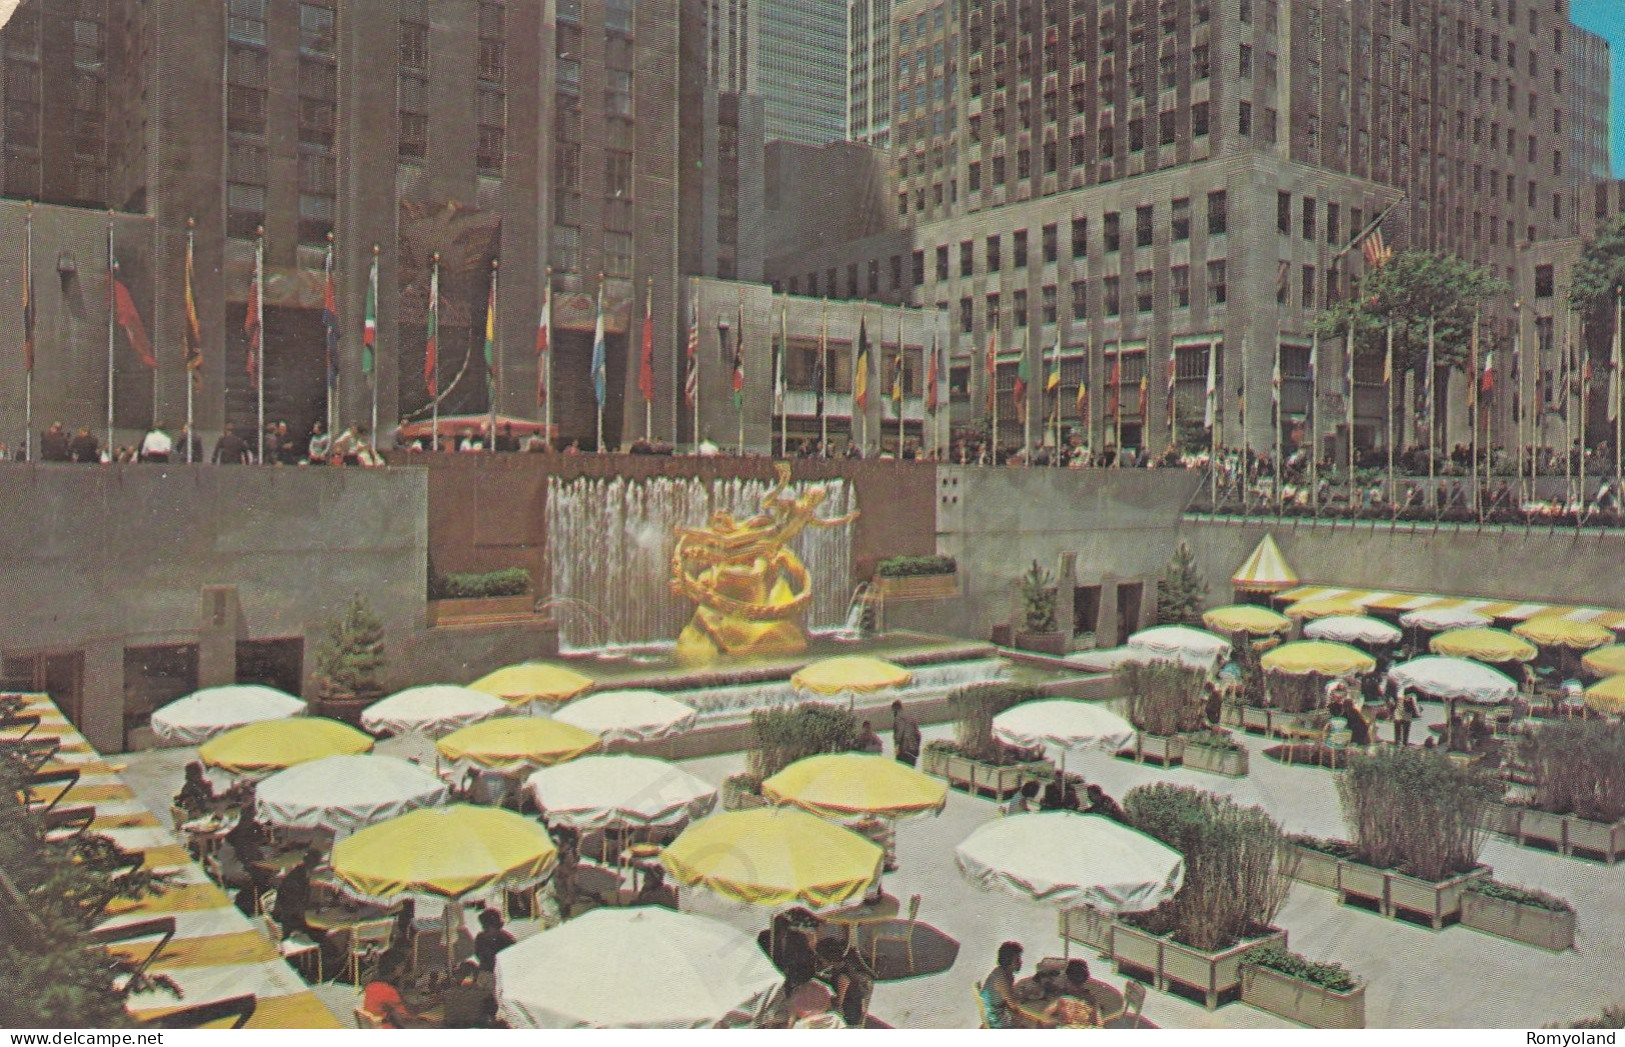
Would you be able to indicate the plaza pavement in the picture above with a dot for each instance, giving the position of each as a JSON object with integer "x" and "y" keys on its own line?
{"x": 1417, "y": 977}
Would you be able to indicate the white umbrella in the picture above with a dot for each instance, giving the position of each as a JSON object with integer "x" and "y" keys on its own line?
{"x": 594, "y": 792}
{"x": 1442, "y": 619}
{"x": 203, "y": 714}
{"x": 1064, "y": 725}
{"x": 1177, "y": 640}
{"x": 432, "y": 711}
{"x": 1069, "y": 860}
{"x": 341, "y": 794}
{"x": 1454, "y": 679}
{"x": 639, "y": 968}
{"x": 1352, "y": 628}
{"x": 628, "y": 716}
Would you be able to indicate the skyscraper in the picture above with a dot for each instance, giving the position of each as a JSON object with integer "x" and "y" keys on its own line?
{"x": 801, "y": 62}
{"x": 869, "y": 63}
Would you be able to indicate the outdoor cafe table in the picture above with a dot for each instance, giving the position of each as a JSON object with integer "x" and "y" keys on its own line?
{"x": 1044, "y": 988}
{"x": 332, "y": 918}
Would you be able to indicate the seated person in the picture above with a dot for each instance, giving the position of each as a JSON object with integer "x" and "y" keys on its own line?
{"x": 1073, "y": 1008}
{"x": 1100, "y": 803}
{"x": 805, "y": 997}
{"x": 1025, "y": 800}
{"x": 382, "y": 998}
{"x": 1070, "y": 800}
{"x": 196, "y": 797}
{"x": 1054, "y": 796}
{"x": 843, "y": 967}
{"x": 470, "y": 1000}
{"x": 654, "y": 890}
{"x": 293, "y": 895}
{"x": 492, "y": 939}
{"x": 869, "y": 741}
{"x": 999, "y": 989}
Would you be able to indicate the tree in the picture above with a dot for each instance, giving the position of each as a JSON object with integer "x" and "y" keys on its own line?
{"x": 351, "y": 658}
{"x": 1597, "y": 278}
{"x": 1181, "y": 592}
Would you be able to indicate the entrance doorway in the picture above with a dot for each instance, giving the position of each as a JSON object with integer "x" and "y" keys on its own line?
{"x": 274, "y": 663}
{"x": 59, "y": 674}
{"x": 1128, "y": 610}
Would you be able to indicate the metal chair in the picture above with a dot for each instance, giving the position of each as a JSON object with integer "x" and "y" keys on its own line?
{"x": 889, "y": 931}
{"x": 162, "y": 928}
{"x": 369, "y": 940}
{"x": 291, "y": 947}
{"x": 1133, "y": 1003}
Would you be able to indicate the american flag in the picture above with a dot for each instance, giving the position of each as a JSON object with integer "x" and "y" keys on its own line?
{"x": 691, "y": 382}
{"x": 1376, "y": 252}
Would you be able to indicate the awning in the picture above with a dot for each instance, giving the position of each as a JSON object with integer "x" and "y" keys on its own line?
{"x": 1266, "y": 570}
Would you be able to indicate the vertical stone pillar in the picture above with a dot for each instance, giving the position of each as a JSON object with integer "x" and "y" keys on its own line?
{"x": 1106, "y": 617}
{"x": 218, "y": 613}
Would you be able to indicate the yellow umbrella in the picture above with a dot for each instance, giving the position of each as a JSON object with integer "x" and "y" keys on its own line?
{"x": 444, "y": 851}
{"x": 1324, "y": 607}
{"x": 1246, "y": 618}
{"x": 839, "y": 785}
{"x": 1552, "y": 631}
{"x": 273, "y": 745}
{"x": 1607, "y": 696}
{"x": 854, "y": 674}
{"x": 1483, "y": 645}
{"x": 1317, "y": 656}
{"x": 1605, "y": 661}
{"x": 513, "y": 742}
{"x": 774, "y": 856}
{"x": 534, "y": 682}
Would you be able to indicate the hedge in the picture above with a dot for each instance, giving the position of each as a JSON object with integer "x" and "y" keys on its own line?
{"x": 914, "y": 566}
{"x": 514, "y": 581}
{"x": 1506, "y": 892}
{"x": 1333, "y": 976}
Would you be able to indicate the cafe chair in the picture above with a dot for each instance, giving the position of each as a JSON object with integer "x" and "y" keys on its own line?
{"x": 981, "y": 1007}
{"x": 1133, "y": 1003}
{"x": 365, "y": 1019}
{"x": 291, "y": 947}
{"x": 369, "y": 940}
{"x": 896, "y": 931}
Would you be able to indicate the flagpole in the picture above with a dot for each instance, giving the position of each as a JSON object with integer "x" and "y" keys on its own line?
{"x": 823, "y": 382}
{"x": 1615, "y": 381}
{"x": 1276, "y": 410}
{"x": 372, "y": 281}
{"x": 491, "y": 374}
{"x": 1026, "y": 405}
{"x": 739, "y": 394}
{"x": 191, "y": 227}
{"x": 1568, "y": 414}
{"x": 779, "y": 390}
{"x": 1246, "y": 433}
{"x": 1388, "y": 378}
{"x": 1517, "y": 397}
{"x": 1433, "y": 457}
{"x": 28, "y": 378}
{"x": 259, "y": 328}
{"x": 547, "y": 364}
{"x": 649, "y": 400}
{"x": 599, "y": 334}
{"x": 434, "y": 394}
{"x": 1475, "y": 413}
{"x": 993, "y": 391}
{"x": 897, "y": 380}
{"x": 1585, "y": 395}
{"x": 112, "y": 274}
{"x": 694, "y": 303}
{"x": 1057, "y": 451}
{"x": 332, "y": 365}
{"x": 1314, "y": 422}
{"x": 1349, "y": 364}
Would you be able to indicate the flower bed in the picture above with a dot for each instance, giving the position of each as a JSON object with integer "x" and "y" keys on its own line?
{"x": 1215, "y": 753}
{"x": 1319, "y": 995}
{"x": 1169, "y": 963}
{"x": 741, "y": 792}
{"x": 1532, "y": 917}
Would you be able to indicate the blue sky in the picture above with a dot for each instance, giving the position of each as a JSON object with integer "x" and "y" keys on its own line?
{"x": 1607, "y": 18}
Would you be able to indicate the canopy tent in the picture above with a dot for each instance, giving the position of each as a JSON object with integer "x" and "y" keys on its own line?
{"x": 1489, "y": 609}
{"x": 774, "y": 856}
{"x": 261, "y": 748}
{"x": 598, "y": 792}
{"x": 534, "y": 682}
{"x": 640, "y": 968}
{"x": 1068, "y": 860}
{"x": 1484, "y": 645}
{"x": 340, "y": 794}
{"x": 1353, "y": 629}
{"x": 1246, "y": 618}
{"x": 1607, "y": 696}
{"x": 212, "y": 711}
{"x": 1443, "y": 619}
{"x": 1265, "y": 571}
{"x": 444, "y": 852}
{"x": 1454, "y": 679}
{"x": 455, "y": 425}
{"x": 842, "y": 785}
{"x": 1179, "y": 640}
{"x": 628, "y": 716}
{"x": 514, "y": 743}
{"x": 1063, "y": 725}
{"x": 1317, "y": 656}
{"x": 1605, "y": 661}
{"x": 1551, "y": 631}
{"x": 432, "y": 711}
{"x": 849, "y": 674}
{"x": 1309, "y": 610}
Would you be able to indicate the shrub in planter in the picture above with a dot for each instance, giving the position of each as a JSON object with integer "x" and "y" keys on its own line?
{"x": 1340, "y": 849}
{"x": 973, "y": 708}
{"x": 786, "y": 735}
{"x": 1332, "y": 976}
{"x": 1038, "y": 595}
{"x": 1181, "y": 592}
{"x": 514, "y": 581}
{"x": 1415, "y": 811}
{"x": 1165, "y": 697}
{"x": 1506, "y": 892}
{"x": 915, "y": 566}
{"x": 1578, "y": 768}
{"x": 1234, "y": 883}
{"x": 350, "y": 660}
{"x": 1214, "y": 740}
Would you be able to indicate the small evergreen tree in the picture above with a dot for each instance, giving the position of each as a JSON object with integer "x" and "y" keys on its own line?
{"x": 1181, "y": 592}
{"x": 350, "y": 659}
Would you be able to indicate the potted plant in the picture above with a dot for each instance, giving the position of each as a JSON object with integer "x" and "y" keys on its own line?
{"x": 1532, "y": 917}
{"x": 917, "y": 577}
{"x": 1235, "y": 885}
{"x": 349, "y": 662}
{"x": 1038, "y": 595}
{"x": 1165, "y": 702}
{"x": 479, "y": 596}
{"x": 975, "y": 760}
{"x": 1181, "y": 592}
{"x": 1215, "y": 752}
{"x": 1578, "y": 802}
{"x": 1417, "y": 824}
{"x": 1319, "y": 995}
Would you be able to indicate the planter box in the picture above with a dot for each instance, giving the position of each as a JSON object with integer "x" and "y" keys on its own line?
{"x": 1164, "y": 749}
{"x": 919, "y": 587}
{"x": 1502, "y": 819}
{"x": 1089, "y": 926}
{"x": 1208, "y": 975}
{"x": 1314, "y": 867}
{"x": 1229, "y": 762}
{"x": 1529, "y": 924}
{"x": 996, "y": 780}
{"x": 1605, "y": 840}
{"x": 1541, "y": 827}
{"x": 1261, "y": 720}
{"x": 482, "y": 609}
{"x": 1362, "y": 882}
{"x": 1042, "y": 643}
{"x": 736, "y": 797}
{"x": 1394, "y": 892}
{"x": 1299, "y": 1001}
{"x": 1233, "y": 715}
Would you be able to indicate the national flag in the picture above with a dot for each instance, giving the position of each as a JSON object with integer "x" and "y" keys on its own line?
{"x": 1486, "y": 381}
{"x": 330, "y": 319}
{"x": 490, "y": 347}
{"x": 1241, "y": 407}
{"x": 739, "y": 360}
{"x": 1275, "y": 391}
{"x": 600, "y": 358}
{"x": 646, "y": 355}
{"x": 932, "y": 376}
{"x": 860, "y": 370}
{"x": 1083, "y": 400}
{"x": 1376, "y": 252}
{"x": 28, "y": 299}
{"x": 819, "y": 379}
{"x": 1114, "y": 388}
{"x": 1019, "y": 393}
{"x": 1615, "y": 362}
{"x": 691, "y": 380}
{"x": 1053, "y": 383}
{"x": 191, "y": 330}
{"x": 130, "y": 320}
{"x": 369, "y": 322}
{"x": 780, "y": 347}
{"x": 1314, "y": 387}
{"x": 1168, "y": 402}
{"x": 1145, "y": 393}
{"x": 992, "y": 363}
{"x": 1210, "y": 409}
{"x": 431, "y": 343}
{"x": 897, "y": 381}
{"x": 1514, "y": 377}
{"x": 251, "y": 315}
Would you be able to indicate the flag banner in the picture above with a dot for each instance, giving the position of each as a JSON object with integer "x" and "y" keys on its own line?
{"x": 251, "y": 316}
{"x": 1053, "y": 383}
{"x": 1275, "y": 390}
{"x": 130, "y": 320}
{"x": 1375, "y": 251}
{"x": 1210, "y": 409}
{"x": 691, "y": 380}
{"x": 330, "y": 316}
{"x": 191, "y": 329}
{"x": 646, "y": 357}
{"x": 1023, "y": 372}
{"x": 1241, "y": 407}
{"x": 490, "y": 347}
{"x": 1145, "y": 395}
{"x": 819, "y": 376}
{"x": 932, "y": 375}
{"x": 1486, "y": 382}
{"x": 897, "y": 381}
{"x": 781, "y": 347}
{"x": 1168, "y": 402}
{"x": 1083, "y": 402}
{"x": 860, "y": 367}
{"x": 1614, "y": 364}
{"x": 369, "y": 323}
{"x": 600, "y": 357}
{"x": 1114, "y": 389}
{"x": 739, "y": 360}
{"x": 431, "y": 344}
{"x": 1314, "y": 385}
{"x": 1515, "y": 380}
{"x": 28, "y": 299}
{"x": 992, "y": 363}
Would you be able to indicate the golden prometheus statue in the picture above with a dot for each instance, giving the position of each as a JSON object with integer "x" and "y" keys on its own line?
{"x": 750, "y": 587}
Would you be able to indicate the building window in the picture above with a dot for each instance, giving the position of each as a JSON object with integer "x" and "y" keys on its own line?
{"x": 1181, "y": 221}
{"x": 1283, "y": 213}
{"x": 1142, "y": 226}
{"x": 896, "y": 272}
{"x": 967, "y": 258}
{"x": 564, "y": 248}
{"x": 993, "y": 312}
{"x": 1310, "y": 219}
{"x": 414, "y": 45}
{"x": 1114, "y": 305}
{"x": 316, "y": 29}
{"x": 492, "y": 61}
{"x": 993, "y": 259}
{"x": 1051, "y": 243}
{"x": 1217, "y": 290}
{"x": 1218, "y": 214}
{"x": 489, "y": 156}
{"x": 1334, "y": 224}
{"x": 1049, "y": 304}
{"x": 967, "y": 314}
{"x": 245, "y": 210}
{"x": 1018, "y": 308}
{"x": 1018, "y": 248}
{"x": 1080, "y": 300}
{"x": 1143, "y": 288}
{"x": 618, "y": 95}
{"x": 1199, "y": 118}
{"x": 1543, "y": 281}
{"x": 874, "y": 277}
{"x": 1306, "y": 288}
{"x": 414, "y": 136}
{"x": 245, "y": 110}
{"x": 1113, "y": 231}
{"x": 1080, "y": 237}
{"x": 617, "y": 173}
{"x": 618, "y": 15}
{"x": 245, "y": 21}
{"x": 1244, "y": 119}
{"x": 315, "y": 218}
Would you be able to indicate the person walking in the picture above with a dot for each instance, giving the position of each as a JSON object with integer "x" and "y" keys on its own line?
{"x": 1404, "y": 711}
{"x": 905, "y": 735}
